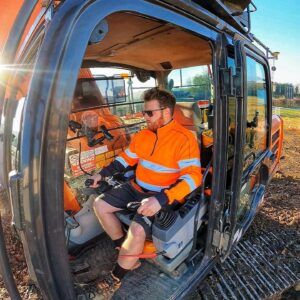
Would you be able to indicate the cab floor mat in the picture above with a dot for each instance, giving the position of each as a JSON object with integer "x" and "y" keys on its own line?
{"x": 98, "y": 261}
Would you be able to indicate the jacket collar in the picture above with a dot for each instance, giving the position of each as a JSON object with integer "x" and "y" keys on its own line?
{"x": 166, "y": 128}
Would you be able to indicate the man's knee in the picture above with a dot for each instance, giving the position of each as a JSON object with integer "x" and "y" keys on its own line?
{"x": 137, "y": 231}
{"x": 102, "y": 207}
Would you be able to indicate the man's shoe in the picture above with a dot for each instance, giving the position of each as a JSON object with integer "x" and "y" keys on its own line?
{"x": 108, "y": 286}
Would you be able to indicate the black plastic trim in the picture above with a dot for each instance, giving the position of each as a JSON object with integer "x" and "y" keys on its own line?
{"x": 238, "y": 145}
{"x": 220, "y": 129}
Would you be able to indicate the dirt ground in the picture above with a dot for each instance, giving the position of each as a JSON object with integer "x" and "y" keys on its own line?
{"x": 279, "y": 212}
{"x": 281, "y": 208}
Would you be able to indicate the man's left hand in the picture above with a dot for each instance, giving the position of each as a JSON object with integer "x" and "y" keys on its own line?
{"x": 149, "y": 207}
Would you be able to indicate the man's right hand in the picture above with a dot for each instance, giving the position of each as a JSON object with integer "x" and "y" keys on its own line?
{"x": 96, "y": 178}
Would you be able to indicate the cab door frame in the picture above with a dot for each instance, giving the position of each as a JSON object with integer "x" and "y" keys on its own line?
{"x": 262, "y": 163}
{"x": 223, "y": 88}
{"x": 233, "y": 230}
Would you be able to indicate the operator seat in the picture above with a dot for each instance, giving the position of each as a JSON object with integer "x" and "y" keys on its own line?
{"x": 197, "y": 117}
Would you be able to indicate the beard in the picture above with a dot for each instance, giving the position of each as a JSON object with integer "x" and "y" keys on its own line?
{"x": 153, "y": 126}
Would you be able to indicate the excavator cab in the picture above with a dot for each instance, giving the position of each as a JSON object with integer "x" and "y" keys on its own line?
{"x": 74, "y": 103}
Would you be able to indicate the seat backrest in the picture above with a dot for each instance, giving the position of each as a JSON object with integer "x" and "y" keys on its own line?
{"x": 184, "y": 115}
{"x": 191, "y": 116}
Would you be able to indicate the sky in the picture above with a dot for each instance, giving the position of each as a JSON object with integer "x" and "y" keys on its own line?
{"x": 277, "y": 24}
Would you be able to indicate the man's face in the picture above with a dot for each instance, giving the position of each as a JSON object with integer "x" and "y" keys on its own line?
{"x": 157, "y": 119}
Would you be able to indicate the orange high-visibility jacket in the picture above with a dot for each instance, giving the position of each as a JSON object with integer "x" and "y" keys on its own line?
{"x": 168, "y": 161}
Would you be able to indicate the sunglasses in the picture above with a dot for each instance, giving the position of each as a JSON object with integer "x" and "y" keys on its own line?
{"x": 150, "y": 112}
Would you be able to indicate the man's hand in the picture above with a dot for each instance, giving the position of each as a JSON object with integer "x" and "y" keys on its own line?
{"x": 96, "y": 178}
{"x": 149, "y": 207}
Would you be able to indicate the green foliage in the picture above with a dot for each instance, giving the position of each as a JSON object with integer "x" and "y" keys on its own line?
{"x": 201, "y": 86}
{"x": 297, "y": 91}
{"x": 287, "y": 113}
{"x": 201, "y": 80}
{"x": 283, "y": 90}
{"x": 196, "y": 88}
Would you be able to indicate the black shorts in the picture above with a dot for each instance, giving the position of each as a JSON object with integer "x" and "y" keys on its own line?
{"x": 120, "y": 196}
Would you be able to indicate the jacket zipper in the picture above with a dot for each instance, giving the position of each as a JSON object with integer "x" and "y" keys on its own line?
{"x": 154, "y": 144}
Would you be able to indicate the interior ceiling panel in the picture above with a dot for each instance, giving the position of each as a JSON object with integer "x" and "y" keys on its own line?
{"x": 145, "y": 43}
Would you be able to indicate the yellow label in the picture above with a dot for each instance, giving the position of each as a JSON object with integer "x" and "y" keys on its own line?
{"x": 101, "y": 164}
{"x": 100, "y": 157}
{"x": 109, "y": 154}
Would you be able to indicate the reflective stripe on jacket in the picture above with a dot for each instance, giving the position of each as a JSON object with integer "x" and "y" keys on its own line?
{"x": 168, "y": 161}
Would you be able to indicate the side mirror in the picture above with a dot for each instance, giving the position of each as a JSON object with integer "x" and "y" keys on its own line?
{"x": 170, "y": 84}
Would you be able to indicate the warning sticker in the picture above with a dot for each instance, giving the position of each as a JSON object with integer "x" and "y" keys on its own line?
{"x": 100, "y": 150}
{"x": 87, "y": 161}
{"x": 203, "y": 103}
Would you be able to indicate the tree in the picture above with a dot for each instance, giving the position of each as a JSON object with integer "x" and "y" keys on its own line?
{"x": 297, "y": 91}
{"x": 202, "y": 80}
{"x": 202, "y": 88}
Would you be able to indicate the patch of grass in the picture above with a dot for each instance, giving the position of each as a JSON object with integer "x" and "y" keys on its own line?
{"x": 286, "y": 113}
{"x": 291, "y": 117}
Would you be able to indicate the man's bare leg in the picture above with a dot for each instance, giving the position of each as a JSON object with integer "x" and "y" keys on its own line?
{"x": 133, "y": 245}
{"x": 110, "y": 223}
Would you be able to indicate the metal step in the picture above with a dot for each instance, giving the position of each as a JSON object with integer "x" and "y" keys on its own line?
{"x": 258, "y": 268}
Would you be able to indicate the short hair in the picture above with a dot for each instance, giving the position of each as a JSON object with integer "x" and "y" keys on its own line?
{"x": 165, "y": 98}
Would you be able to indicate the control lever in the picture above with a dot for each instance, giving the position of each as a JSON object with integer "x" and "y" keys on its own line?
{"x": 163, "y": 218}
{"x": 106, "y": 133}
{"x": 89, "y": 182}
{"x": 103, "y": 187}
{"x": 90, "y": 134}
{"x": 133, "y": 206}
{"x": 74, "y": 126}
{"x": 119, "y": 177}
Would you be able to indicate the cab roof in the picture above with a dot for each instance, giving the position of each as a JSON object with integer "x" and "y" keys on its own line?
{"x": 232, "y": 11}
{"x": 148, "y": 44}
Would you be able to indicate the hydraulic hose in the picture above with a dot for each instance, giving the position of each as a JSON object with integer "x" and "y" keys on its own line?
{"x": 79, "y": 162}
{"x": 142, "y": 255}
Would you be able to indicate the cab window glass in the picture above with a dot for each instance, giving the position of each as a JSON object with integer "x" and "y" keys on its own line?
{"x": 232, "y": 124}
{"x": 106, "y": 112}
{"x": 100, "y": 90}
{"x": 191, "y": 84}
{"x": 256, "y": 132}
{"x": 119, "y": 88}
{"x": 16, "y": 94}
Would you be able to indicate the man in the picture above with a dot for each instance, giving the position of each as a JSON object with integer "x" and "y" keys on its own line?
{"x": 168, "y": 168}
